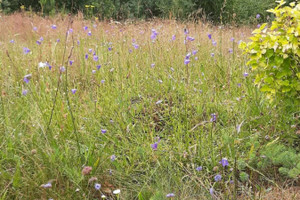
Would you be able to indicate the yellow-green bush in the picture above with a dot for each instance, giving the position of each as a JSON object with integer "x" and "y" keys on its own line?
{"x": 274, "y": 53}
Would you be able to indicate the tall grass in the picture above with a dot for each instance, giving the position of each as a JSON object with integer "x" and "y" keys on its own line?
{"x": 137, "y": 103}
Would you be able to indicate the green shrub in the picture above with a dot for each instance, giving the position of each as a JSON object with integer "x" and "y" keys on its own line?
{"x": 281, "y": 156}
{"x": 244, "y": 176}
{"x": 176, "y": 8}
{"x": 246, "y": 11}
{"x": 214, "y": 10}
{"x": 274, "y": 54}
{"x": 47, "y": 6}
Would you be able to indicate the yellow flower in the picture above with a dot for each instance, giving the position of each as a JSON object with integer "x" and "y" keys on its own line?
{"x": 87, "y": 6}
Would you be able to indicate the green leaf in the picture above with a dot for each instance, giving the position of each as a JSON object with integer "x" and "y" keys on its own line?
{"x": 17, "y": 176}
{"x": 286, "y": 89}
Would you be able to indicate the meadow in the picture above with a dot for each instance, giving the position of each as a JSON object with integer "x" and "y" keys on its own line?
{"x": 142, "y": 110}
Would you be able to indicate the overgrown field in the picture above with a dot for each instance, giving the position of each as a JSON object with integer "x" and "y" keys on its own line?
{"x": 156, "y": 109}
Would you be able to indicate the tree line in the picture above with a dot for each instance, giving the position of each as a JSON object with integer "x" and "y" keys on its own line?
{"x": 219, "y": 11}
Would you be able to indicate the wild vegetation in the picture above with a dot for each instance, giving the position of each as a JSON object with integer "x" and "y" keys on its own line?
{"x": 142, "y": 110}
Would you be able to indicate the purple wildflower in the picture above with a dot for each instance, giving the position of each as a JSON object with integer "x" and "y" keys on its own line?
{"x": 232, "y": 39}
{"x": 186, "y": 31}
{"x": 26, "y": 50}
{"x": 239, "y": 85}
{"x": 58, "y": 40}
{"x": 102, "y": 81}
{"x": 190, "y": 38}
{"x": 98, "y": 67}
{"x": 78, "y": 42}
{"x": 47, "y": 185}
{"x": 70, "y": 30}
{"x": 38, "y": 42}
{"x": 109, "y": 48}
{"x": 218, "y": 177}
{"x": 50, "y": 67}
{"x": 96, "y": 58}
{"x": 24, "y": 92}
{"x": 230, "y": 50}
{"x": 186, "y": 61}
{"x": 209, "y": 36}
{"x": 73, "y": 91}
{"x": 103, "y": 131}
{"x": 136, "y": 46}
{"x": 153, "y": 65}
{"x": 212, "y": 55}
{"x": 86, "y": 56}
{"x": 12, "y": 41}
{"x": 154, "y": 34}
{"x": 258, "y": 25}
{"x": 53, "y": 26}
{"x": 62, "y": 69}
{"x": 97, "y": 186}
{"x": 27, "y": 78}
{"x": 34, "y": 28}
{"x": 85, "y": 28}
{"x": 214, "y": 43}
{"x": 199, "y": 168}
{"x": 213, "y": 117}
{"x": 112, "y": 157}
{"x": 170, "y": 195}
{"x": 211, "y": 191}
{"x": 224, "y": 162}
{"x": 71, "y": 62}
{"x": 257, "y": 16}
{"x": 90, "y": 33}
{"x": 188, "y": 56}
{"x": 246, "y": 74}
{"x": 41, "y": 39}
{"x": 93, "y": 71}
{"x": 194, "y": 52}
{"x": 174, "y": 37}
{"x": 154, "y": 146}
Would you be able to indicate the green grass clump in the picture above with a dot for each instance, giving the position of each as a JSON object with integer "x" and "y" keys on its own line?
{"x": 126, "y": 107}
{"x": 287, "y": 159}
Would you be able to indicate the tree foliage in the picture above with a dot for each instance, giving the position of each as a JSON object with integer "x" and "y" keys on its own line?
{"x": 216, "y": 10}
{"x": 274, "y": 54}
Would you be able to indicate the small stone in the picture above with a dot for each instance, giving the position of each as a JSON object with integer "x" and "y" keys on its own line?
{"x": 216, "y": 168}
{"x": 33, "y": 151}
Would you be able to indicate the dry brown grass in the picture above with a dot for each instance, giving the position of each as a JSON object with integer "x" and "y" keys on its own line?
{"x": 21, "y": 25}
{"x": 291, "y": 193}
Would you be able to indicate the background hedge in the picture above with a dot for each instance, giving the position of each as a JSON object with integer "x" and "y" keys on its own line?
{"x": 212, "y": 10}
